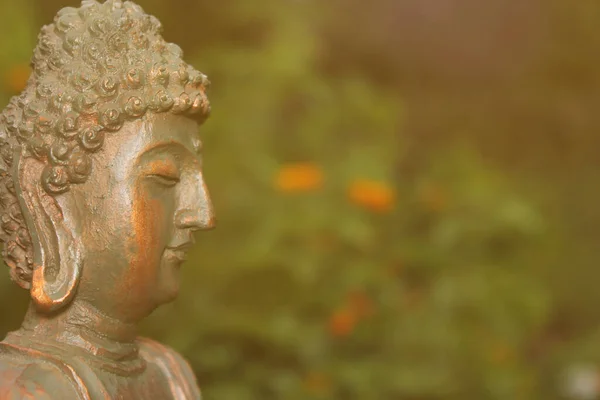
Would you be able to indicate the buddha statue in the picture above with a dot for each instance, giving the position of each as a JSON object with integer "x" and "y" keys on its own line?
{"x": 101, "y": 191}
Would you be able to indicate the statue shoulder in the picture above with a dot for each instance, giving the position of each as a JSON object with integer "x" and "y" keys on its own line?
{"x": 41, "y": 381}
{"x": 173, "y": 366}
{"x": 25, "y": 376}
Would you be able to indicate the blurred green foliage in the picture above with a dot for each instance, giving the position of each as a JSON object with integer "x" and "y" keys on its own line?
{"x": 351, "y": 260}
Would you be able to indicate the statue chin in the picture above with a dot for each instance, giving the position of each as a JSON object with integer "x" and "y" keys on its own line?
{"x": 101, "y": 192}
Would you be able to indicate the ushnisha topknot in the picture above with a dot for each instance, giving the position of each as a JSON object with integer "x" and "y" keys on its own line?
{"x": 94, "y": 68}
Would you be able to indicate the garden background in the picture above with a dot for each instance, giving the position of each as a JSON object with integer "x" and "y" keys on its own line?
{"x": 408, "y": 195}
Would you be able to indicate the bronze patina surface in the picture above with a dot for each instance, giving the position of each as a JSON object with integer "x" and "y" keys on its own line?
{"x": 101, "y": 189}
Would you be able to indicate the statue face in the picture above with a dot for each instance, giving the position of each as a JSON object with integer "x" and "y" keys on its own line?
{"x": 137, "y": 213}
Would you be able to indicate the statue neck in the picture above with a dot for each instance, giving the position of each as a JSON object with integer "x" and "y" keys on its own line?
{"x": 84, "y": 317}
{"x": 84, "y": 326}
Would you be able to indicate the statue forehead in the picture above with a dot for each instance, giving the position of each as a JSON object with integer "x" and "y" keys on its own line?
{"x": 157, "y": 133}
{"x": 174, "y": 128}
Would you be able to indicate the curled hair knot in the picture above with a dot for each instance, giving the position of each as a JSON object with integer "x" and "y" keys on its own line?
{"x": 55, "y": 179}
{"x": 79, "y": 167}
{"x": 111, "y": 117}
{"x": 108, "y": 86}
{"x": 91, "y": 138}
{"x": 134, "y": 106}
{"x": 60, "y": 152}
{"x": 68, "y": 124}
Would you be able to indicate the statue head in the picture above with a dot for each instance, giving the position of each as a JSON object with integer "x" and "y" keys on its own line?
{"x": 101, "y": 185}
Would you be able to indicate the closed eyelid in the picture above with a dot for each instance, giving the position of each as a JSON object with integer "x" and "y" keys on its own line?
{"x": 163, "y": 167}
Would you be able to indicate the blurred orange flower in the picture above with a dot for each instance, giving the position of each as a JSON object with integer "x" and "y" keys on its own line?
{"x": 317, "y": 383}
{"x": 432, "y": 197}
{"x": 16, "y": 78}
{"x": 373, "y": 195}
{"x": 299, "y": 177}
{"x": 342, "y": 322}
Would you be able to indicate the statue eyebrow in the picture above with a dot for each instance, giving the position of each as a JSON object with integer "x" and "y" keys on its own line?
{"x": 169, "y": 144}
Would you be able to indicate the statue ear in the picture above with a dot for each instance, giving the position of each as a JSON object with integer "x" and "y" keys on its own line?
{"x": 57, "y": 256}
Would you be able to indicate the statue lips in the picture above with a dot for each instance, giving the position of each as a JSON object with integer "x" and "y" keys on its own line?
{"x": 179, "y": 252}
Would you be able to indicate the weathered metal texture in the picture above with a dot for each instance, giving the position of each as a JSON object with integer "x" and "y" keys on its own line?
{"x": 101, "y": 189}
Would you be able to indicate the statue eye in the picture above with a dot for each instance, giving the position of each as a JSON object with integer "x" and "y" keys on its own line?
{"x": 164, "y": 172}
{"x": 165, "y": 180}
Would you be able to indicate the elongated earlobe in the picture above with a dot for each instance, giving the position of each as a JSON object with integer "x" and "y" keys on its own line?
{"x": 57, "y": 256}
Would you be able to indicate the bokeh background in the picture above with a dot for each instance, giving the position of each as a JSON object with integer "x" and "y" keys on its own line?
{"x": 408, "y": 197}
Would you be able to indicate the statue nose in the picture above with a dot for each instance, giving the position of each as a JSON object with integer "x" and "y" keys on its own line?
{"x": 199, "y": 214}
{"x": 202, "y": 219}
